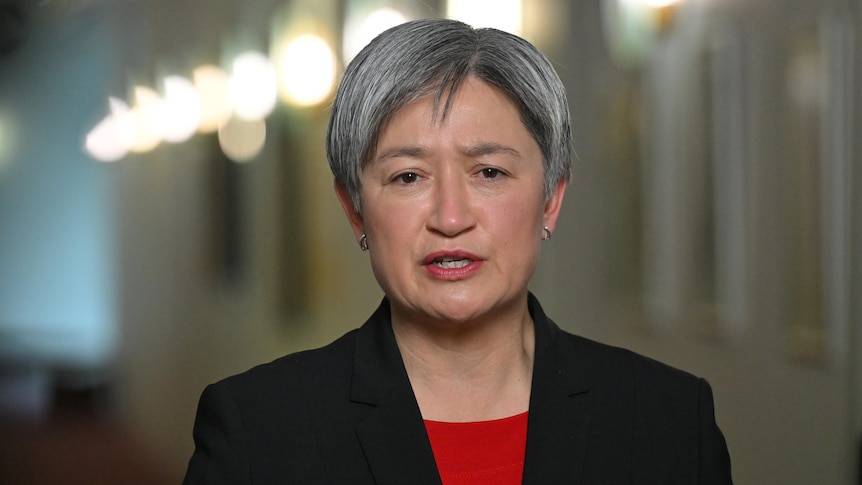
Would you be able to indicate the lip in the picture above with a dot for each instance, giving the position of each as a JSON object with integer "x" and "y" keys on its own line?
{"x": 452, "y": 274}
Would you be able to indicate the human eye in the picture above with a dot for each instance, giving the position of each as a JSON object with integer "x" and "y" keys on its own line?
{"x": 490, "y": 173}
{"x": 406, "y": 178}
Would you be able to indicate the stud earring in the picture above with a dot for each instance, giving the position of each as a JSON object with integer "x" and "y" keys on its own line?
{"x": 363, "y": 243}
{"x": 547, "y": 233}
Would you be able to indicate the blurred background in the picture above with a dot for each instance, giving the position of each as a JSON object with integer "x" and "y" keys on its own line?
{"x": 167, "y": 215}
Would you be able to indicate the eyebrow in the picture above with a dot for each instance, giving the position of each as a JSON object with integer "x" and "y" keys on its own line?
{"x": 402, "y": 151}
{"x": 473, "y": 151}
{"x": 491, "y": 149}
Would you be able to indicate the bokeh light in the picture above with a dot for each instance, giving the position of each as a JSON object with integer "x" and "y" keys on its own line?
{"x": 242, "y": 140}
{"x": 661, "y": 3}
{"x": 500, "y": 14}
{"x": 111, "y": 139}
{"x": 235, "y": 103}
{"x": 149, "y": 111}
{"x": 181, "y": 108}
{"x": 308, "y": 70}
{"x": 252, "y": 89}
{"x": 357, "y": 34}
{"x": 211, "y": 83}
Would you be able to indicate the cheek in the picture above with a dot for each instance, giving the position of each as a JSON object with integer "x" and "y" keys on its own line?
{"x": 518, "y": 215}
{"x": 392, "y": 226}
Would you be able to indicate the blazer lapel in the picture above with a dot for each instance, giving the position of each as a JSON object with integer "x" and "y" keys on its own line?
{"x": 559, "y": 421}
{"x": 390, "y": 427}
{"x": 388, "y": 421}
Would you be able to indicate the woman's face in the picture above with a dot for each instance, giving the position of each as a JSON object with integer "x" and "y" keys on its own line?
{"x": 453, "y": 208}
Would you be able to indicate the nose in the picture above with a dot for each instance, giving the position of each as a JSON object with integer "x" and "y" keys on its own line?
{"x": 452, "y": 211}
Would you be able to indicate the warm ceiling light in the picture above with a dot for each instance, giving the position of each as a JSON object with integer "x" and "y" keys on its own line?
{"x": 182, "y": 109}
{"x": 253, "y": 86}
{"x": 661, "y": 3}
{"x": 358, "y": 34}
{"x": 242, "y": 140}
{"x": 211, "y": 84}
{"x": 111, "y": 138}
{"x": 499, "y": 14}
{"x": 308, "y": 70}
{"x": 149, "y": 115}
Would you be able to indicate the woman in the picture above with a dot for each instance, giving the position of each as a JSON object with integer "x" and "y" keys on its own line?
{"x": 451, "y": 152}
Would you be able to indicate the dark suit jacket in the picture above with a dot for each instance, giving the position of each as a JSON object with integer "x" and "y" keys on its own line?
{"x": 346, "y": 414}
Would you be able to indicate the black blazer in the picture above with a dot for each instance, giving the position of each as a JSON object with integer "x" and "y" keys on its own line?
{"x": 346, "y": 414}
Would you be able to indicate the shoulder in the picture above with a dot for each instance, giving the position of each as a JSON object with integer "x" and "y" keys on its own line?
{"x": 614, "y": 359}
{"x": 664, "y": 416}
{"x": 609, "y": 367}
{"x": 293, "y": 406}
{"x": 669, "y": 415}
{"x": 320, "y": 369}
{"x": 314, "y": 367}
{"x": 596, "y": 365}
{"x": 280, "y": 405}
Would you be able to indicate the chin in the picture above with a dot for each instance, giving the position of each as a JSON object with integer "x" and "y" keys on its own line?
{"x": 467, "y": 308}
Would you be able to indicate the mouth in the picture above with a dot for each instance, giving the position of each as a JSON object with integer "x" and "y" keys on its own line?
{"x": 451, "y": 262}
{"x": 452, "y": 265}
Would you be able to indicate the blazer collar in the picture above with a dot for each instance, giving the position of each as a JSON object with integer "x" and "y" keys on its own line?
{"x": 388, "y": 421}
{"x": 392, "y": 433}
{"x": 558, "y": 424}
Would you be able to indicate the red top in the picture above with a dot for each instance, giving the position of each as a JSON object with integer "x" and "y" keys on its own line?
{"x": 480, "y": 453}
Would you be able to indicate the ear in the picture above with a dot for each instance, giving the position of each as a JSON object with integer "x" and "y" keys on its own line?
{"x": 354, "y": 217}
{"x": 554, "y": 204}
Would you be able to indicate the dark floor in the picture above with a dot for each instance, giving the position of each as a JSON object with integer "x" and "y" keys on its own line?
{"x": 75, "y": 444}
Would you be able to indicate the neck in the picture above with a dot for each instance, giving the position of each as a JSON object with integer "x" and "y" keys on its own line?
{"x": 469, "y": 371}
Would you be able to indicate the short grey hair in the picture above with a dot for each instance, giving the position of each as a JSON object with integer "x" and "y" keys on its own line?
{"x": 435, "y": 56}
